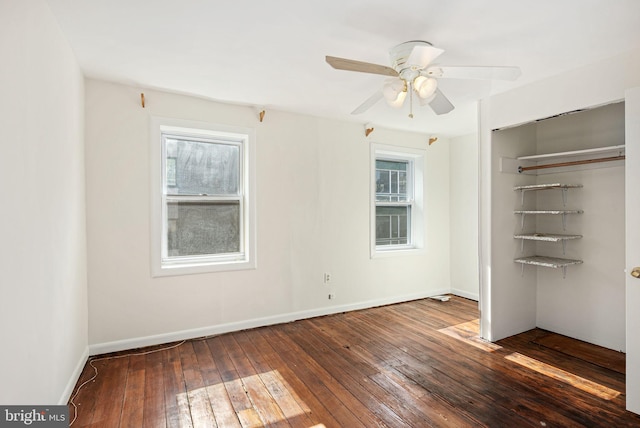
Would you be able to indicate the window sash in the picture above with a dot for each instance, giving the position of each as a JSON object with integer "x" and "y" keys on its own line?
{"x": 186, "y": 137}
{"x": 395, "y": 225}
{"x": 394, "y": 179}
{"x": 168, "y": 198}
{"x": 394, "y": 199}
{"x": 166, "y": 258}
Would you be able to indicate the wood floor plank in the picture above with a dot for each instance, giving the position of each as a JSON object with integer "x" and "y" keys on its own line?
{"x": 242, "y": 405}
{"x": 395, "y": 399}
{"x": 603, "y": 357}
{"x": 445, "y": 376}
{"x": 418, "y": 363}
{"x": 222, "y": 407}
{"x": 353, "y": 381}
{"x": 248, "y": 416}
{"x": 207, "y": 366}
{"x": 527, "y": 343}
{"x": 133, "y": 403}
{"x": 270, "y": 413}
{"x": 154, "y": 402}
{"x": 316, "y": 410}
{"x": 84, "y": 399}
{"x": 284, "y": 399}
{"x": 218, "y": 398}
{"x": 110, "y": 396}
{"x": 261, "y": 400}
{"x": 429, "y": 372}
{"x": 293, "y": 409}
{"x": 176, "y": 403}
{"x": 345, "y": 408}
{"x": 436, "y": 412}
{"x": 199, "y": 405}
{"x": 504, "y": 390}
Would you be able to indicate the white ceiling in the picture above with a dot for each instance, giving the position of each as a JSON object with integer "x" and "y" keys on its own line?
{"x": 271, "y": 53}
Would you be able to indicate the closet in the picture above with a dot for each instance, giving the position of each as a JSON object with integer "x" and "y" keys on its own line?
{"x": 558, "y": 194}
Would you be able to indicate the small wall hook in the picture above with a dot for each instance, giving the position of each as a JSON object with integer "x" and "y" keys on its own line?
{"x": 261, "y": 115}
{"x": 142, "y": 99}
{"x": 432, "y": 140}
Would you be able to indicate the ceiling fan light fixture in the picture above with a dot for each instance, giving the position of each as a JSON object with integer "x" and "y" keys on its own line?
{"x": 425, "y": 87}
{"x": 412, "y": 69}
{"x": 397, "y": 103}
{"x": 395, "y": 92}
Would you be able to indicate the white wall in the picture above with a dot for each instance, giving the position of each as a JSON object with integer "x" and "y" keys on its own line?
{"x": 463, "y": 176}
{"x": 566, "y": 92}
{"x": 513, "y": 295}
{"x": 43, "y": 308}
{"x": 312, "y": 209}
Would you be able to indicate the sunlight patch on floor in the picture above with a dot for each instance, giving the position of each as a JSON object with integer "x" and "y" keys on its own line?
{"x": 469, "y": 332}
{"x": 258, "y": 400}
{"x": 586, "y": 385}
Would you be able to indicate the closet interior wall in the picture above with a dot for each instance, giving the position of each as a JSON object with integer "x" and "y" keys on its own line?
{"x": 588, "y": 303}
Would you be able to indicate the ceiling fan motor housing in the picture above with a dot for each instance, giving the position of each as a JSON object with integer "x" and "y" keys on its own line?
{"x": 399, "y": 56}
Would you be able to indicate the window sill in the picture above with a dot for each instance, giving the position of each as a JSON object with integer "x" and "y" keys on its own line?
{"x": 198, "y": 268}
{"x": 397, "y": 252}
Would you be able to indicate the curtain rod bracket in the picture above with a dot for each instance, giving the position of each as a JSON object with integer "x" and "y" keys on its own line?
{"x": 368, "y": 129}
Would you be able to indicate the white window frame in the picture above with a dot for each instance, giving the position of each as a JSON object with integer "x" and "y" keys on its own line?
{"x": 415, "y": 188}
{"x": 244, "y": 138}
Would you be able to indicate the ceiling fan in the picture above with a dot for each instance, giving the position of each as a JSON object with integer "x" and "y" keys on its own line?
{"x": 412, "y": 71}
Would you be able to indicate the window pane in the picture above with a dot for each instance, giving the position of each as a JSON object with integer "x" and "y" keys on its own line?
{"x": 392, "y": 225}
{"x": 394, "y": 182}
{"x": 200, "y": 228}
{"x": 392, "y": 165}
{"x": 382, "y": 183}
{"x": 402, "y": 183}
{"x": 391, "y": 181}
{"x": 195, "y": 168}
{"x": 383, "y": 228}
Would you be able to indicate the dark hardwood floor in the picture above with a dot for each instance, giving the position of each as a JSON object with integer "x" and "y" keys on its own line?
{"x": 415, "y": 364}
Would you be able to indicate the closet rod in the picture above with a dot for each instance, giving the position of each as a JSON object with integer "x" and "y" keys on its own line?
{"x": 571, "y": 163}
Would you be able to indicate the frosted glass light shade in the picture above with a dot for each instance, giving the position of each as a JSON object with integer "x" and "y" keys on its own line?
{"x": 394, "y": 91}
{"x": 425, "y": 86}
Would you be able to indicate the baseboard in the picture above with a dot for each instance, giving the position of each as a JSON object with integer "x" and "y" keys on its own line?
{"x": 73, "y": 380}
{"x": 465, "y": 294}
{"x": 140, "y": 342}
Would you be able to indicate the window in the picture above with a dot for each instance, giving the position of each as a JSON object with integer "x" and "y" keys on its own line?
{"x": 397, "y": 199}
{"x": 393, "y": 202}
{"x": 203, "y": 219}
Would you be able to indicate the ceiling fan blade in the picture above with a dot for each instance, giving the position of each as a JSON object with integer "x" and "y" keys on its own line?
{"x": 363, "y": 67}
{"x": 440, "y": 104}
{"x": 423, "y": 55}
{"x": 370, "y": 102}
{"x": 474, "y": 72}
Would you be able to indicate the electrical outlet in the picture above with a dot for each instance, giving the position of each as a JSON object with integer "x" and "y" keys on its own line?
{"x": 327, "y": 277}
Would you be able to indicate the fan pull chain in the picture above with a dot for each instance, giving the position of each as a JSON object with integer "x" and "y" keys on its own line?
{"x": 411, "y": 100}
